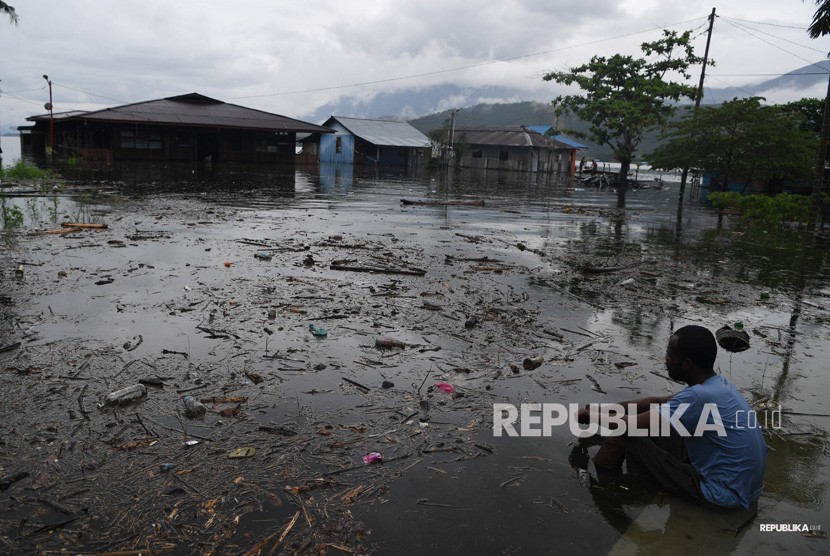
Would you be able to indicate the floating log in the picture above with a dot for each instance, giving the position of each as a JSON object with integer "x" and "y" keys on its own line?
{"x": 378, "y": 270}
{"x": 81, "y": 225}
{"x": 60, "y": 231}
{"x": 476, "y": 203}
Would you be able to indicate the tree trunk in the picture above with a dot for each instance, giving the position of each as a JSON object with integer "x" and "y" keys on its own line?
{"x": 622, "y": 183}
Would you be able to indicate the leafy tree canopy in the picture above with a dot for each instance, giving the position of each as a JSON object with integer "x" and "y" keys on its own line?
{"x": 623, "y": 96}
{"x": 740, "y": 140}
{"x": 810, "y": 112}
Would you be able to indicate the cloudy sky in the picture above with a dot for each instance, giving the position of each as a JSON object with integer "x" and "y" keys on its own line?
{"x": 291, "y": 58}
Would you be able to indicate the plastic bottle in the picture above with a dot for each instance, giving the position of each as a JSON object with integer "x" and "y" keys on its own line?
{"x": 126, "y": 394}
{"x": 424, "y": 411}
{"x": 193, "y": 408}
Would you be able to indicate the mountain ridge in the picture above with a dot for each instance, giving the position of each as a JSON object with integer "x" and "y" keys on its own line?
{"x": 428, "y": 108}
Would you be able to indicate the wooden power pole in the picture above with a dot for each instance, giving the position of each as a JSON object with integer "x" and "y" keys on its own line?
{"x": 698, "y": 98}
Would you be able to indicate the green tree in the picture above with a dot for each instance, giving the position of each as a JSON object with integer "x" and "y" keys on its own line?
{"x": 740, "y": 140}
{"x": 9, "y": 11}
{"x": 624, "y": 97}
{"x": 810, "y": 110}
{"x": 820, "y": 27}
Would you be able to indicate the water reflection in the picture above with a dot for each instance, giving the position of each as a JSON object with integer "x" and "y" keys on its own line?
{"x": 336, "y": 178}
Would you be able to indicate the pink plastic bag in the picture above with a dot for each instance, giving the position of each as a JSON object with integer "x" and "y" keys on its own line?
{"x": 373, "y": 457}
{"x": 448, "y": 388}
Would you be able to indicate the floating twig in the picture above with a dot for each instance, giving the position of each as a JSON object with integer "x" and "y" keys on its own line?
{"x": 350, "y": 381}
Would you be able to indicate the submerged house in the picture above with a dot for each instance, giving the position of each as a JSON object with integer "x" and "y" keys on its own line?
{"x": 518, "y": 148}
{"x": 370, "y": 143}
{"x": 566, "y": 148}
{"x": 189, "y": 127}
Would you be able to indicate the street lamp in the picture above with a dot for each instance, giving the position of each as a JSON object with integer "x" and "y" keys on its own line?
{"x": 51, "y": 117}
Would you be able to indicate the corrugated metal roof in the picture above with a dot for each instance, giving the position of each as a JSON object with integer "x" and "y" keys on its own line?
{"x": 568, "y": 142}
{"x": 196, "y": 110}
{"x": 500, "y": 135}
{"x": 564, "y": 139}
{"x": 383, "y": 133}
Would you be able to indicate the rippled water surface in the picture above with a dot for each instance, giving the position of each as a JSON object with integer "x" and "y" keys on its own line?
{"x": 518, "y": 262}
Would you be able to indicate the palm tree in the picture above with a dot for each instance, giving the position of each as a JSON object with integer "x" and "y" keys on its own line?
{"x": 820, "y": 26}
{"x": 9, "y": 11}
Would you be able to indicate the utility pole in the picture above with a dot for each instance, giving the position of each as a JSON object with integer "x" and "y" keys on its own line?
{"x": 698, "y": 98}
{"x": 452, "y": 132}
{"x": 51, "y": 118}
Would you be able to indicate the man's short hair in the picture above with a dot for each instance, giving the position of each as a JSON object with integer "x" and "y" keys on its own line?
{"x": 698, "y": 344}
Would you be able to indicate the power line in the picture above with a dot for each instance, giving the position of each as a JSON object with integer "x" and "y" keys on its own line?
{"x": 23, "y": 90}
{"x": 769, "y": 74}
{"x": 460, "y": 68}
{"x": 765, "y": 23}
{"x": 771, "y": 44}
{"x": 88, "y": 93}
{"x": 22, "y": 99}
{"x": 777, "y": 37}
{"x": 747, "y": 93}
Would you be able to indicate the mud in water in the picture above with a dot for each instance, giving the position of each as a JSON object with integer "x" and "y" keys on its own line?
{"x": 321, "y": 321}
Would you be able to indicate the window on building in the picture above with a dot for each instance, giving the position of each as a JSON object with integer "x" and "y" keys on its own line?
{"x": 127, "y": 139}
{"x": 140, "y": 139}
{"x": 266, "y": 143}
{"x": 503, "y": 155}
{"x": 477, "y": 154}
{"x": 338, "y": 145}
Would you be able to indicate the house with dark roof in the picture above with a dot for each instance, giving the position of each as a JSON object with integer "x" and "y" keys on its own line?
{"x": 189, "y": 127}
{"x": 371, "y": 143}
{"x": 519, "y": 148}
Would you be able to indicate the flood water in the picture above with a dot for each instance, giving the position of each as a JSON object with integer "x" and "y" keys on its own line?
{"x": 152, "y": 296}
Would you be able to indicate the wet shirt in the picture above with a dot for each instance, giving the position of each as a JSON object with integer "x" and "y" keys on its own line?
{"x": 731, "y": 467}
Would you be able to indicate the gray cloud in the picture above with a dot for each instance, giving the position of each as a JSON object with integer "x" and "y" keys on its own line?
{"x": 255, "y": 52}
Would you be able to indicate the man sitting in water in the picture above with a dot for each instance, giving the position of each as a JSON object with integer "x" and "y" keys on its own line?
{"x": 725, "y": 470}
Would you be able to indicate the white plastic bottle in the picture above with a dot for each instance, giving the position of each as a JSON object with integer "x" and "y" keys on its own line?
{"x": 126, "y": 394}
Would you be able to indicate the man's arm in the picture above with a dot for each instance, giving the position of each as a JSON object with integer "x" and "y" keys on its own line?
{"x": 585, "y": 415}
{"x": 646, "y": 403}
